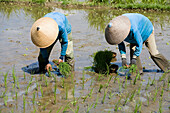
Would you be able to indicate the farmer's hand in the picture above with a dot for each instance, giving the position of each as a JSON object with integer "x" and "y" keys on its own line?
{"x": 133, "y": 61}
{"x": 48, "y": 67}
{"x": 61, "y": 58}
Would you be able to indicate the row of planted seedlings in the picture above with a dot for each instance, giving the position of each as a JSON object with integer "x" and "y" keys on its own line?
{"x": 107, "y": 91}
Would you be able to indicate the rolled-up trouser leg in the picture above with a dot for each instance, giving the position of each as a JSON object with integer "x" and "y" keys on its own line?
{"x": 158, "y": 58}
{"x": 70, "y": 53}
{"x": 138, "y": 63}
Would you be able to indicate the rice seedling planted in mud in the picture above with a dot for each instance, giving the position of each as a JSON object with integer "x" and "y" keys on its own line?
{"x": 89, "y": 107}
{"x": 24, "y": 102}
{"x": 33, "y": 98}
{"x": 91, "y": 91}
{"x": 5, "y": 98}
{"x": 132, "y": 95}
{"x": 148, "y": 84}
{"x": 138, "y": 107}
{"x": 155, "y": 95}
{"x": 59, "y": 109}
{"x": 126, "y": 100}
{"x": 97, "y": 99}
{"x": 117, "y": 104}
{"x": 101, "y": 86}
{"x": 105, "y": 92}
{"x": 13, "y": 74}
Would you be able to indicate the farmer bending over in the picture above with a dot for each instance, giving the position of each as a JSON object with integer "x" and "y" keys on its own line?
{"x": 137, "y": 30}
{"x": 45, "y": 32}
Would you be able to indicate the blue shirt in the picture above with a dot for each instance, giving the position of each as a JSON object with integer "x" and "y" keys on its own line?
{"x": 141, "y": 29}
{"x": 64, "y": 30}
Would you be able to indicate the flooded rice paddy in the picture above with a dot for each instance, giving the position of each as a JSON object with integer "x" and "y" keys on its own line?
{"x": 82, "y": 91}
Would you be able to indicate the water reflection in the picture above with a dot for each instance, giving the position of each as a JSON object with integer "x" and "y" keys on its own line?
{"x": 100, "y": 18}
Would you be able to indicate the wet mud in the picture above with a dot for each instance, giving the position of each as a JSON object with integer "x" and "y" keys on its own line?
{"x": 83, "y": 91}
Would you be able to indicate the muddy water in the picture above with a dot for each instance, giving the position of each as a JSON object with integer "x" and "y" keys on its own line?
{"x": 17, "y": 51}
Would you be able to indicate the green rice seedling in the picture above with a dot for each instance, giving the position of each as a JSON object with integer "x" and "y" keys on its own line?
{"x": 105, "y": 92}
{"x": 134, "y": 82}
{"x": 148, "y": 84}
{"x": 147, "y": 98}
{"x": 55, "y": 97}
{"x": 73, "y": 92}
{"x": 132, "y": 95}
{"x": 97, "y": 99}
{"x": 66, "y": 107}
{"x": 5, "y": 98}
{"x": 13, "y": 74}
{"x": 89, "y": 107}
{"x": 101, "y": 61}
{"x": 49, "y": 73}
{"x": 5, "y": 79}
{"x": 33, "y": 98}
{"x": 138, "y": 107}
{"x": 59, "y": 109}
{"x": 41, "y": 90}
{"x": 16, "y": 95}
{"x": 41, "y": 77}
{"x": 110, "y": 95}
{"x": 139, "y": 89}
{"x": 153, "y": 81}
{"x": 91, "y": 91}
{"x": 160, "y": 106}
{"x": 18, "y": 83}
{"x": 126, "y": 100}
{"x": 65, "y": 68}
{"x": 155, "y": 95}
{"x": 117, "y": 104}
{"x": 162, "y": 92}
{"x": 101, "y": 86}
{"x": 46, "y": 82}
{"x": 34, "y": 110}
{"x": 24, "y": 102}
{"x": 77, "y": 110}
{"x": 99, "y": 76}
{"x": 115, "y": 78}
{"x": 63, "y": 82}
{"x": 162, "y": 77}
{"x": 91, "y": 82}
{"x": 85, "y": 98}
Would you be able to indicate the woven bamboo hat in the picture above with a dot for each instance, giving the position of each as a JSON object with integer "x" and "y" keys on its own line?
{"x": 44, "y": 32}
{"x": 117, "y": 30}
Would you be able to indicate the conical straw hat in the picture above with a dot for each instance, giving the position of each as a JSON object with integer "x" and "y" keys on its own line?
{"x": 44, "y": 32}
{"x": 117, "y": 30}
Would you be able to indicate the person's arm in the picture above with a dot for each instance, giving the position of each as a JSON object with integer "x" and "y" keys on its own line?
{"x": 138, "y": 49}
{"x": 64, "y": 43}
{"x": 122, "y": 51}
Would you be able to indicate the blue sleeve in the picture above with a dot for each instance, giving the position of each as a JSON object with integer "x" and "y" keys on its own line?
{"x": 139, "y": 43}
{"x": 121, "y": 47}
{"x": 64, "y": 42}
